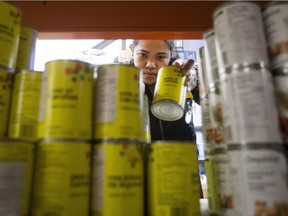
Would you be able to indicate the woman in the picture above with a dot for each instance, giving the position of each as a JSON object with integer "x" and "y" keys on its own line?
{"x": 150, "y": 56}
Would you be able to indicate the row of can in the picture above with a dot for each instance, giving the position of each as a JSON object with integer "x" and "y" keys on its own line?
{"x": 61, "y": 177}
{"x": 67, "y": 101}
{"x": 246, "y": 159}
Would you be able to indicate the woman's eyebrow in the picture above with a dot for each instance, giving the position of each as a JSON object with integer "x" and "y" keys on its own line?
{"x": 142, "y": 50}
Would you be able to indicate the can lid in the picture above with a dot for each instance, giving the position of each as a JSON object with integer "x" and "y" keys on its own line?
{"x": 167, "y": 110}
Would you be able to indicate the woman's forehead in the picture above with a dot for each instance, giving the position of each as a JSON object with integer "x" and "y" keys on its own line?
{"x": 153, "y": 45}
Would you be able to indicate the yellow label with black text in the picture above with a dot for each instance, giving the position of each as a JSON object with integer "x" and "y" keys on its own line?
{"x": 23, "y": 120}
{"x": 66, "y": 100}
{"x": 173, "y": 179}
{"x": 117, "y": 108}
{"x": 117, "y": 185}
{"x": 10, "y": 25}
{"x": 62, "y": 179}
{"x": 16, "y": 170}
{"x": 212, "y": 185}
{"x": 26, "y": 49}
{"x": 5, "y": 100}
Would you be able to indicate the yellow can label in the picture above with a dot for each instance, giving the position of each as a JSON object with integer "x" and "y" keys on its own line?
{"x": 117, "y": 108}
{"x": 16, "y": 168}
{"x": 212, "y": 185}
{"x": 117, "y": 187}
{"x": 169, "y": 85}
{"x": 5, "y": 100}
{"x": 66, "y": 100}
{"x": 26, "y": 49}
{"x": 25, "y": 105}
{"x": 146, "y": 134}
{"x": 10, "y": 25}
{"x": 62, "y": 179}
{"x": 173, "y": 179}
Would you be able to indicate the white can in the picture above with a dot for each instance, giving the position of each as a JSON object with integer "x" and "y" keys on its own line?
{"x": 210, "y": 57}
{"x": 216, "y": 113}
{"x": 280, "y": 78}
{"x": 239, "y": 34}
{"x": 249, "y": 107}
{"x": 223, "y": 182}
{"x": 259, "y": 179}
{"x": 275, "y": 19}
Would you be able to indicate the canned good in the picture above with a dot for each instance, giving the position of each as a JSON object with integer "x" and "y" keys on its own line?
{"x": 276, "y": 31}
{"x": 26, "y": 49}
{"x": 280, "y": 78}
{"x": 16, "y": 170}
{"x": 210, "y": 57}
{"x": 117, "y": 111}
{"x": 5, "y": 100}
{"x": 207, "y": 129}
{"x": 216, "y": 113}
{"x": 146, "y": 134}
{"x": 117, "y": 185}
{"x": 169, "y": 94}
{"x": 259, "y": 179}
{"x": 66, "y": 100}
{"x": 202, "y": 76}
{"x": 239, "y": 35}
{"x": 213, "y": 202}
{"x": 173, "y": 179}
{"x": 62, "y": 178}
{"x": 10, "y": 19}
{"x": 223, "y": 182}
{"x": 25, "y": 105}
{"x": 249, "y": 106}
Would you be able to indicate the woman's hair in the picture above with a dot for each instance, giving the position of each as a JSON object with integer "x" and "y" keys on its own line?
{"x": 171, "y": 46}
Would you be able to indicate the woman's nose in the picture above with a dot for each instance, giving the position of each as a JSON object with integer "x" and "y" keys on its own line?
{"x": 151, "y": 63}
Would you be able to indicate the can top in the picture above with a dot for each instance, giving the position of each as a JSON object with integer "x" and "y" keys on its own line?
{"x": 176, "y": 142}
{"x": 219, "y": 11}
{"x": 69, "y": 60}
{"x": 208, "y": 33}
{"x": 167, "y": 110}
{"x": 274, "y": 3}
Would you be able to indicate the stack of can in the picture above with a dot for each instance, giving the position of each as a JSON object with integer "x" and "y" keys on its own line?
{"x": 16, "y": 157}
{"x": 276, "y": 31}
{"x": 63, "y": 158}
{"x": 118, "y": 165}
{"x": 250, "y": 164}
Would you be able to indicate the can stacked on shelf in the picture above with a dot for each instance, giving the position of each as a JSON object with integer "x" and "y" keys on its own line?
{"x": 276, "y": 31}
{"x": 173, "y": 179}
{"x": 24, "y": 111}
{"x": 26, "y": 48}
{"x": 16, "y": 168}
{"x": 10, "y": 19}
{"x": 219, "y": 156}
{"x": 63, "y": 157}
{"x": 118, "y": 172}
{"x": 251, "y": 124}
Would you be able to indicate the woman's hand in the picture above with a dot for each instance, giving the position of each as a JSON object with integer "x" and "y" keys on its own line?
{"x": 186, "y": 67}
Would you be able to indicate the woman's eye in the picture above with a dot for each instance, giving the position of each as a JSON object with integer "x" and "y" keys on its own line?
{"x": 142, "y": 55}
{"x": 160, "y": 58}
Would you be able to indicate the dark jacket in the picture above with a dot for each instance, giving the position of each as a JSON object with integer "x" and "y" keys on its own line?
{"x": 169, "y": 130}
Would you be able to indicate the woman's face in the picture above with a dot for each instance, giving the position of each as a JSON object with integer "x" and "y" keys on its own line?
{"x": 150, "y": 56}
